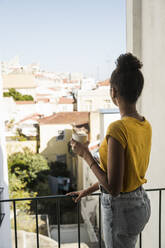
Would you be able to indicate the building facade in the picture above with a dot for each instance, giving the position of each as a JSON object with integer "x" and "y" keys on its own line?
{"x": 145, "y": 39}
{"x": 93, "y": 100}
{"x": 58, "y": 129}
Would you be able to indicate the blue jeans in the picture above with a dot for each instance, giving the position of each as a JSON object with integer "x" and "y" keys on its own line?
{"x": 124, "y": 217}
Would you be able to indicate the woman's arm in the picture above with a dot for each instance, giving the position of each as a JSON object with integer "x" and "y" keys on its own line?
{"x": 112, "y": 180}
{"x": 77, "y": 195}
{"x": 99, "y": 173}
{"x": 115, "y": 165}
{"x": 92, "y": 188}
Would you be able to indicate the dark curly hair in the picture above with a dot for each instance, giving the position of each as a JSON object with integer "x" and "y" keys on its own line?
{"x": 127, "y": 78}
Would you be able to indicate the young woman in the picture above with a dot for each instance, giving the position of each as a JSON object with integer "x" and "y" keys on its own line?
{"x": 124, "y": 158}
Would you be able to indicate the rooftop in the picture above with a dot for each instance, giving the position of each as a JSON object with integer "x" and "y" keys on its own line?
{"x": 104, "y": 83}
{"x": 76, "y": 118}
{"x": 25, "y": 102}
{"x": 64, "y": 100}
{"x": 43, "y": 99}
{"x": 33, "y": 117}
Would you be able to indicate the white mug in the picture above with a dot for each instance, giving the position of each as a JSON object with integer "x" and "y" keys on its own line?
{"x": 79, "y": 137}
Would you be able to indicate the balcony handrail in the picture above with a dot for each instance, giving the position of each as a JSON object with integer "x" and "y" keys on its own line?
{"x": 61, "y": 196}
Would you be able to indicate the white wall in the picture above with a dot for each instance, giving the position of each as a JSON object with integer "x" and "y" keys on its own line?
{"x": 64, "y": 108}
{"x": 93, "y": 100}
{"x": 151, "y": 52}
{"x": 146, "y": 39}
{"x": 5, "y": 231}
{"x": 23, "y": 110}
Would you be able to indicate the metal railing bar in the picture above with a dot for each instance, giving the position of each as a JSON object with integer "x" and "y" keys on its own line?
{"x": 100, "y": 221}
{"x": 140, "y": 240}
{"x": 160, "y": 214}
{"x": 59, "y": 196}
{"x": 157, "y": 189}
{"x": 41, "y": 198}
{"x": 15, "y": 224}
{"x": 37, "y": 198}
{"x": 37, "y": 231}
{"x": 78, "y": 222}
{"x": 1, "y": 218}
{"x": 58, "y": 222}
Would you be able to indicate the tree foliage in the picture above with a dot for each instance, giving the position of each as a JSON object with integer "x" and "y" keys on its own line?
{"x": 17, "y": 189}
{"x": 17, "y": 96}
{"x": 23, "y": 170}
{"x": 28, "y": 177}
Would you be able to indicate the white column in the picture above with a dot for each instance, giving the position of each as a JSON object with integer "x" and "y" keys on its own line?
{"x": 133, "y": 27}
{"x": 5, "y": 229}
{"x": 146, "y": 39}
{"x": 134, "y": 31}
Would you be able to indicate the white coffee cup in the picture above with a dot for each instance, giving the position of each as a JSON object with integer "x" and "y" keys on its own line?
{"x": 80, "y": 137}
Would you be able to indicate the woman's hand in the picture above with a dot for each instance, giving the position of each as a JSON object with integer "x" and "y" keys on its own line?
{"x": 77, "y": 195}
{"x": 78, "y": 148}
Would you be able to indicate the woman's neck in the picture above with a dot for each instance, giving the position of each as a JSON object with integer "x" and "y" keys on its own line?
{"x": 128, "y": 110}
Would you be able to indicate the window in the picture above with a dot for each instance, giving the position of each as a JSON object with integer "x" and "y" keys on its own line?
{"x": 60, "y": 135}
{"x": 61, "y": 158}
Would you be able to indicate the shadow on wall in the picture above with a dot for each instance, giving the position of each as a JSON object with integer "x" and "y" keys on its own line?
{"x": 57, "y": 148}
{"x": 50, "y": 151}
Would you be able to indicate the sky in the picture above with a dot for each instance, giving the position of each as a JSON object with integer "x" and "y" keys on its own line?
{"x": 64, "y": 35}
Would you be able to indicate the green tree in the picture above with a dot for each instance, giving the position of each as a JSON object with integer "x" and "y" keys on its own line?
{"x": 24, "y": 168}
{"x": 6, "y": 94}
{"x": 17, "y": 190}
{"x": 27, "y": 98}
{"x": 17, "y": 96}
{"x": 26, "y": 165}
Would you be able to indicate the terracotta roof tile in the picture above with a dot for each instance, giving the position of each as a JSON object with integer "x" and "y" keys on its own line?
{"x": 64, "y": 100}
{"x": 77, "y": 118}
{"x": 25, "y": 102}
{"x": 54, "y": 89}
{"x": 39, "y": 94}
{"x": 104, "y": 83}
{"x": 34, "y": 117}
{"x": 42, "y": 99}
{"x": 65, "y": 80}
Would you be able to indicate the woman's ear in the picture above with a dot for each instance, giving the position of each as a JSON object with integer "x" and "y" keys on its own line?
{"x": 114, "y": 96}
{"x": 113, "y": 93}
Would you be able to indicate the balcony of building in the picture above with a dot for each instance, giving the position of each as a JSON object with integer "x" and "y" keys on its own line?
{"x": 83, "y": 233}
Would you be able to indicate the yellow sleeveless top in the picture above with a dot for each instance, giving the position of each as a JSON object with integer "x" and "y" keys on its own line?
{"x": 135, "y": 138}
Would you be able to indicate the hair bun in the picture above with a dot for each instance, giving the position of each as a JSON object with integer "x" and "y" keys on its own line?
{"x": 128, "y": 62}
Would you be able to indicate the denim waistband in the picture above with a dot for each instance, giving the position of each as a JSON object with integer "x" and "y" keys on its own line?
{"x": 121, "y": 193}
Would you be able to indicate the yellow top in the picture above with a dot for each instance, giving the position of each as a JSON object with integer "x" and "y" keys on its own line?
{"x": 135, "y": 138}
